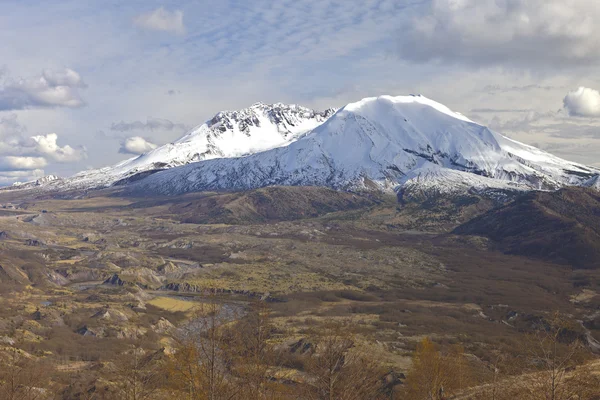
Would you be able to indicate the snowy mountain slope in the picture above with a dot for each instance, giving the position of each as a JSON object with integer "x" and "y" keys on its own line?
{"x": 228, "y": 134}
{"x": 385, "y": 143}
{"x": 593, "y": 183}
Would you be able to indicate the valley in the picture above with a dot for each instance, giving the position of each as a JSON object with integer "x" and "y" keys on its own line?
{"x": 84, "y": 279}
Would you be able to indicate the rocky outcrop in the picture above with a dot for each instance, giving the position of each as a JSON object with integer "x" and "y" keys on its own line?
{"x": 191, "y": 288}
{"x": 34, "y": 242}
{"x": 163, "y": 326}
{"x": 115, "y": 280}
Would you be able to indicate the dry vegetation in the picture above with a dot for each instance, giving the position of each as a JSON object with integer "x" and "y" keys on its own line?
{"x": 111, "y": 298}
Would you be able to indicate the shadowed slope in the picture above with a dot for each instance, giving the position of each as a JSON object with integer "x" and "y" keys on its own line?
{"x": 562, "y": 226}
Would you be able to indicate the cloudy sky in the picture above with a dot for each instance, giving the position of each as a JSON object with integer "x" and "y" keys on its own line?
{"x": 86, "y": 84}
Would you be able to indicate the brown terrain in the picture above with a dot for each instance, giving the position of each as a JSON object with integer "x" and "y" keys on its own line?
{"x": 90, "y": 285}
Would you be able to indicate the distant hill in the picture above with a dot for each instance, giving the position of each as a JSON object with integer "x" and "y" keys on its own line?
{"x": 269, "y": 204}
{"x": 561, "y": 226}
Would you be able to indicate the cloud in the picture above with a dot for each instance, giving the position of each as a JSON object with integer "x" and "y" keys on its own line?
{"x": 23, "y": 156}
{"x": 151, "y": 124}
{"x": 495, "y": 89}
{"x": 47, "y": 146}
{"x": 11, "y": 131}
{"x": 22, "y": 174}
{"x": 51, "y": 89}
{"x": 499, "y": 110}
{"x": 583, "y": 102}
{"x": 20, "y": 163}
{"x": 161, "y": 20}
{"x": 136, "y": 145}
{"x": 524, "y": 121}
{"x": 522, "y": 33}
{"x": 65, "y": 77}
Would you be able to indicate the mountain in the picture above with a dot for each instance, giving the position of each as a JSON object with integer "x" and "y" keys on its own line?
{"x": 262, "y": 205}
{"x": 228, "y": 134}
{"x": 561, "y": 226}
{"x": 38, "y": 182}
{"x": 406, "y": 143}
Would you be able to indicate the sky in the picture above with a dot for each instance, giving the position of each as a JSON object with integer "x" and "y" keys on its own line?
{"x": 87, "y": 84}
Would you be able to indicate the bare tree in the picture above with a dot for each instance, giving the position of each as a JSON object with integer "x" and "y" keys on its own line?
{"x": 551, "y": 366}
{"x": 251, "y": 354}
{"x": 138, "y": 374}
{"x": 338, "y": 371}
{"x": 22, "y": 377}
{"x": 554, "y": 355}
{"x": 200, "y": 363}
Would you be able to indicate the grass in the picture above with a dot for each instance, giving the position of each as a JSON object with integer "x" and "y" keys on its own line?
{"x": 71, "y": 262}
{"x": 173, "y": 305}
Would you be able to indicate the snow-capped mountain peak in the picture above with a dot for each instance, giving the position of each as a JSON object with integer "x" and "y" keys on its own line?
{"x": 385, "y": 143}
{"x": 257, "y": 128}
{"x": 403, "y": 143}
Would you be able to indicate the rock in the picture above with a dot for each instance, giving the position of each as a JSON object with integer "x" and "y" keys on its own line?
{"x": 7, "y": 340}
{"x": 111, "y": 315}
{"x": 302, "y": 346}
{"x": 115, "y": 280}
{"x": 163, "y": 326}
{"x": 37, "y": 315}
{"x": 93, "y": 332}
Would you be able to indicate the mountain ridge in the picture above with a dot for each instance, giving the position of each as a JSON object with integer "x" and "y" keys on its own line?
{"x": 227, "y": 134}
{"x": 563, "y": 226}
{"x": 403, "y": 144}
{"x": 385, "y": 143}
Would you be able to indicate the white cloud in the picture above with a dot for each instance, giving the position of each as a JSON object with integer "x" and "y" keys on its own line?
{"x": 136, "y": 145}
{"x": 47, "y": 146}
{"x": 151, "y": 124}
{"x": 20, "y": 163}
{"x": 23, "y": 157}
{"x": 583, "y": 102}
{"x": 51, "y": 89}
{"x": 161, "y": 20}
{"x": 524, "y": 33}
{"x": 65, "y": 77}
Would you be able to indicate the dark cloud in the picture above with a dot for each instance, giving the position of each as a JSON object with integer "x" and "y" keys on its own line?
{"x": 543, "y": 34}
{"x": 152, "y": 124}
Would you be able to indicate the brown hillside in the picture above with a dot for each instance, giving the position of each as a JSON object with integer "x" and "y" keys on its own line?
{"x": 562, "y": 226}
